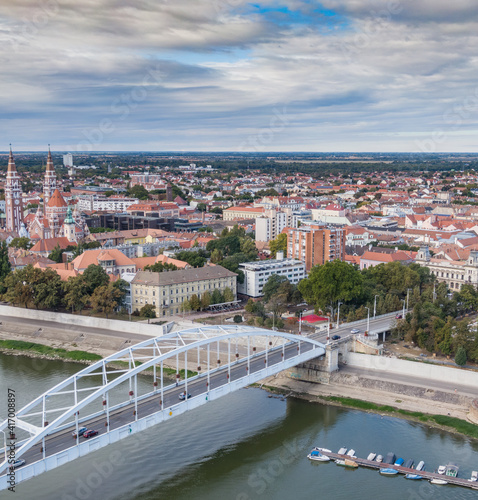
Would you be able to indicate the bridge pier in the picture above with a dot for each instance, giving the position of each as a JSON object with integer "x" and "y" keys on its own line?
{"x": 318, "y": 370}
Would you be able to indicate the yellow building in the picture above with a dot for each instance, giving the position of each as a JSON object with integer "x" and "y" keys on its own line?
{"x": 167, "y": 291}
{"x": 235, "y": 213}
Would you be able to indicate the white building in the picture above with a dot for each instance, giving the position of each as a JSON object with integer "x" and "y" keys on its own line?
{"x": 273, "y": 222}
{"x": 100, "y": 203}
{"x": 257, "y": 273}
{"x": 68, "y": 160}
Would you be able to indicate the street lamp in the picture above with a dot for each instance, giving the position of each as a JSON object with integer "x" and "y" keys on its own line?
{"x": 403, "y": 315}
{"x": 328, "y": 330}
{"x": 375, "y": 305}
{"x": 368, "y": 319}
{"x": 338, "y": 313}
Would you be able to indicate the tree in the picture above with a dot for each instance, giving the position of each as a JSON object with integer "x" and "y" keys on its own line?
{"x": 56, "y": 254}
{"x": 228, "y": 295}
{"x": 104, "y": 299}
{"x": 331, "y": 282}
{"x": 248, "y": 248}
{"x": 95, "y": 276}
{"x": 237, "y": 318}
{"x": 460, "y": 357}
{"x": 5, "y": 266}
{"x": 148, "y": 311}
{"x": 22, "y": 242}
{"x": 193, "y": 258}
{"x": 194, "y": 302}
{"x": 77, "y": 294}
{"x": 159, "y": 267}
{"x": 139, "y": 192}
{"x": 216, "y": 256}
{"x": 271, "y": 286}
{"x": 205, "y": 300}
{"x": 278, "y": 245}
{"x": 217, "y": 297}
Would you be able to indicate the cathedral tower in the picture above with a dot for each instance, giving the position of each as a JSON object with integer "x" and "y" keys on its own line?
{"x": 13, "y": 197}
{"x": 49, "y": 185}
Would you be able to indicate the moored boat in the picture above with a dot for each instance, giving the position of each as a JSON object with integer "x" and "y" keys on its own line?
{"x": 399, "y": 461}
{"x": 342, "y": 451}
{"x": 340, "y": 462}
{"x": 388, "y": 472}
{"x": 474, "y": 477}
{"x": 421, "y": 465}
{"x": 390, "y": 458}
{"x": 371, "y": 456}
{"x": 409, "y": 463}
{"x": 441, "y": 469}
{"x": 413, "y": 476}
{"x": 351, "y": 453}
{"x": 451, "y": 470}
{"x": 438, "y": 481}
{"x": 317, "y": 456}
{"x": 379, "y": 459}
{"x": 350, "y": 463}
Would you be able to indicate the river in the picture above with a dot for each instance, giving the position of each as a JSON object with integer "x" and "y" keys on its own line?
{"x": 245, "y": 446}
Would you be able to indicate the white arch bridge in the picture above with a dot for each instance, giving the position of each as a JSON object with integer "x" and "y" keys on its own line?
{"x": 105, "y": 396}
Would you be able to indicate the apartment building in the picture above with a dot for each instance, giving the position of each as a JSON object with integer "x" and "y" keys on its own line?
{"x": 235, "y": 213}
{"x": 315, "y": 245}
{"x": 273, "y": 222}
{"x": 167, "y": 291}
{"x": 257, "y": 273}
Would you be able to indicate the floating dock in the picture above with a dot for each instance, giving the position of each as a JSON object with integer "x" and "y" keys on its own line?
{"x": 372, "y": 464}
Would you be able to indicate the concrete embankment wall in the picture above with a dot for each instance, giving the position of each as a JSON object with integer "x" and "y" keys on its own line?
{"x": 413, "y": 369}
{"x": 87, "y": 321}
{"x": 473, "y": 415}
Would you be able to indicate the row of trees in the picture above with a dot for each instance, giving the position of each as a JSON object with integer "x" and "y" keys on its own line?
{"x": 198, "y": 303}
{"x": 44, "y": 289}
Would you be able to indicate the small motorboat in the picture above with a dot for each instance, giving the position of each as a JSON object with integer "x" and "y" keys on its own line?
{"x": 379, "y": 459}
{"x": 421, "y": 465}
{"x": 351, "y": 453}
{"x": 388, "y": 472}
{"x": 399, "y": 461}
{"x": 413, "y": 476}
{"x": 371, "y": 456}
{"x": 438, "y": 481}
{"x": 317, "y": 456}
{"x": 340, "y": 462}
{"x": 350, "y": 463}
{"x": 474, "y": 477}
{"x": 342, "y": 451}
{"x": 441, "y": 469}
{"x": 409, "y": 464}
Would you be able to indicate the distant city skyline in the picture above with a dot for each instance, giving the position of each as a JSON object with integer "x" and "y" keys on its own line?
{"x": 229, "y": 75}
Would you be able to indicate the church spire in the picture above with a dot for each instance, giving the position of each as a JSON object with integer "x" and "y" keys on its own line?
{"x": 49, "y": 161}
{"x": 11, "y": 162}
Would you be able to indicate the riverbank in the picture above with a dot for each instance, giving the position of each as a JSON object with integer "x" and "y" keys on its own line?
{"x": 444, "y": 416}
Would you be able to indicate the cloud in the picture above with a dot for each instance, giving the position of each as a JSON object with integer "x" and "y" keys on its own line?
{"x": 211, "y": 74}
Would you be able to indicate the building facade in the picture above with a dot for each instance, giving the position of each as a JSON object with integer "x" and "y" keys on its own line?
{"x": 168, "y": 291}
{"x": 234, "y": 213}
{"x": 257, "y": 273}
{"x": 13, "y": 197}
{"x": 273, "y": 222}
{"x": 315, "y": 245}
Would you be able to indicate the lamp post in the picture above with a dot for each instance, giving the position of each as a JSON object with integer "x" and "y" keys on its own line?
{"x": 375, "y": 305}
{"x": 300, "y": 322}
{"x": 403, "y": 315}
{"x": 408, "y": 290}
{"x": 368, "y": 319}
{"x": 338, "y": 314}
{"x": 328, "y": 330}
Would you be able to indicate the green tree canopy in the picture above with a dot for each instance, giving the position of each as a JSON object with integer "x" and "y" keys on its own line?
{"x": 22, "y": 242}
{"x": 148, "y": 311}
{"x": 159, "y": 267}
{"x": 279, "y": 244}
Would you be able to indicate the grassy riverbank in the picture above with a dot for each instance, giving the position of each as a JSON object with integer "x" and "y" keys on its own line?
{"x": 40, "y": 350}
{"x": 443, "y": 421}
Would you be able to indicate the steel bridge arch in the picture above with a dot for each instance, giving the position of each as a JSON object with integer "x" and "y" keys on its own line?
{"x": 163, "y": 348}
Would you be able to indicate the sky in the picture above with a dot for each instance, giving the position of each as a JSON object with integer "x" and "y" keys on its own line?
{"x": 232, "y": 75}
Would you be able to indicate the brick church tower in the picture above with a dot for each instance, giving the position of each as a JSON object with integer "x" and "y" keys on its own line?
{"x": 13, "y": 197}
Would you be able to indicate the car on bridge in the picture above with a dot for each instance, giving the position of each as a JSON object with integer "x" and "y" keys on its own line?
{"x": 336, "y": 337}
{"x": 355, "y": 330}
{"x": 18, "y": 463}
{"x": 182, "y": 396}
{"x": 90, "y": 433}
{"x": 81, "y": 431}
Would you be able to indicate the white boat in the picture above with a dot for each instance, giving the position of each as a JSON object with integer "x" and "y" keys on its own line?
{"x": 351, "y": 453}
{"x": 324, "y": 450}
{"x": 340, "y": 462}
{"x": 342, "y": 451}
{"x": 441, "y": 469}
{"x": 379, "y": 459}
{"x": 474, "y": 476}
{"x": 438, "y": 481}
{"x": 317, "y": 456}
{"x": 421, "y": 465}
{"x": 371, "y": 456}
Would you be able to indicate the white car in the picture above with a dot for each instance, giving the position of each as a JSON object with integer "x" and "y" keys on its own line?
{"x": 355, "y": 330}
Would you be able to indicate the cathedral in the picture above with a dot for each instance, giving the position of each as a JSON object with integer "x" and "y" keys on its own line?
{"x": 53, "y": 219}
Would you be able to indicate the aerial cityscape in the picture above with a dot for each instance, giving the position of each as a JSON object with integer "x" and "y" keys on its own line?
{"x": 231, "y": 235}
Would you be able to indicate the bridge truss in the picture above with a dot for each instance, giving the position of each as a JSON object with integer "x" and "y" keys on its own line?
{"x": 221, "y": 359}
